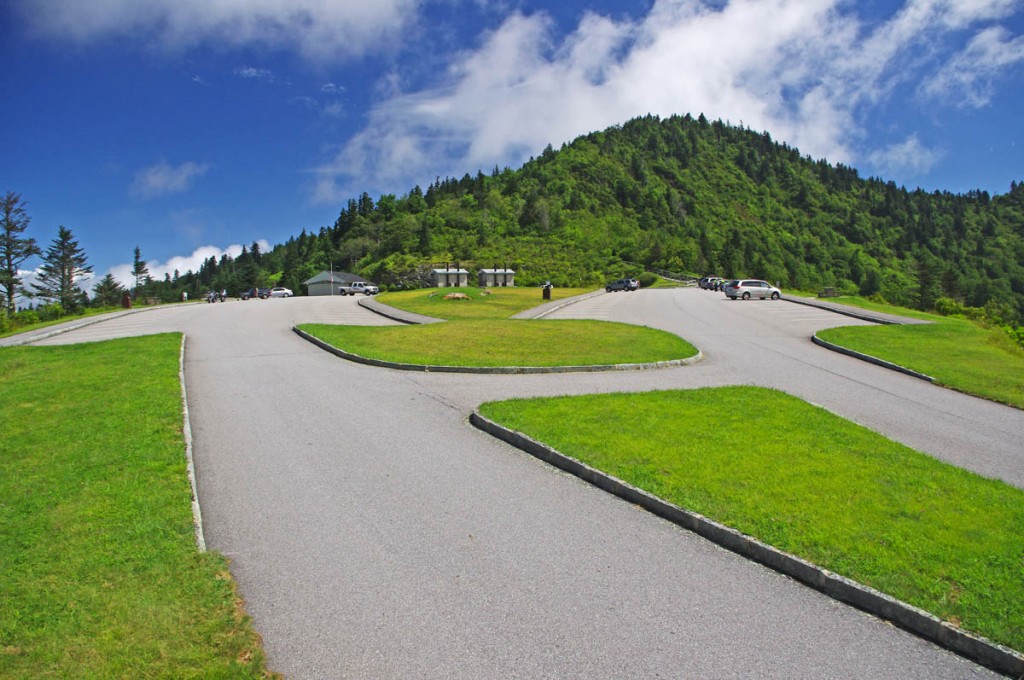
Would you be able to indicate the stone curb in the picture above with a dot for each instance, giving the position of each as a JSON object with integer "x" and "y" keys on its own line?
{"x": 543, "y": 310}
{"x": 197, "y": 515}
{"x": 917, "y": 621}
{"x": 68, "y": 329}
{"x": 394, "y": 313}
{"x": 845, "y": 311}
{"x": 75, "y": 327}
{"x": 870, "y": 359}
{"x": 482, "y": 370}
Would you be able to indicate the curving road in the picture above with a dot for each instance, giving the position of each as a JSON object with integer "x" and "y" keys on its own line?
{"x": 375, "y": 534}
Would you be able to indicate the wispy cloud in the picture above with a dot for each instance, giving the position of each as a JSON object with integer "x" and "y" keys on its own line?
{"x": 316, "y": 29}
{"x": 909, "y": 155}
{"x": 969, "y": 76}
{"x": 164, "y": 178}
{"x": 808, "y": 71}
{"x": 253, "y": 73}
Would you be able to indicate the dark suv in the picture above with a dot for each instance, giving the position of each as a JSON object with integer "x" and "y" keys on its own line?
{"x": 620, "y": 285}
{"x": 261, "y": 293}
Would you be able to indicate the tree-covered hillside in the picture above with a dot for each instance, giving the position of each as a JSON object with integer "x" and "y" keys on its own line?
{"x": 691, "y": 196}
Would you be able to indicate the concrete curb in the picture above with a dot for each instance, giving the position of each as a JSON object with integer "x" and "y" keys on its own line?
{"x": 482, "y": 370}
{"x": 68, "y": 329}
{"x": 863, "y": 315}
{"x": 870, "y": 359}
{"x": 917, "y": 621}
{"x": 402, "y": 316}
{"x": 74, "y": 327}
{"x": 394, "y": 313}
{"x": 543, "y": 310}
{"x": 197, "y": 515}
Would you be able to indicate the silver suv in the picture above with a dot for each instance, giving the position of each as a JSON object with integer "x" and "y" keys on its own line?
{"x": 748, "y": 288}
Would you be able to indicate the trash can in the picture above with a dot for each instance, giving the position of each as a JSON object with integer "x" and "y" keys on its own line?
{"x": 546, "y": 291}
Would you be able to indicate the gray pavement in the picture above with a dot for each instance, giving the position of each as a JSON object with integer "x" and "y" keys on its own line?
{"x": 374, "y": 533}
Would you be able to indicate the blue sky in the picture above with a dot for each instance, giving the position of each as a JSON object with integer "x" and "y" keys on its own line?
{"x": 191, "y": 127}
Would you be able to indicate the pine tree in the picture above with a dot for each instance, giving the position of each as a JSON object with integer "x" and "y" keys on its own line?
{"x": 140, "y": 271}
{"x": 63, "y": 264}
{"x": 14, "y": 250}
{"x": 108, "y": 292}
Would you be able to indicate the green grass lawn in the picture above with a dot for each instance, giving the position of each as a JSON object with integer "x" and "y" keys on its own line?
{"x": 810, "y": 483}
{"x": 480, "y": 333}
{"x": 43, "y": 324}
{"x": 99, "y": 572}
{"x": 871, "y": 305}
{"x": 494, "y": 303}
{"x": 956, "y": 352}
{"x": 507, "y": 342}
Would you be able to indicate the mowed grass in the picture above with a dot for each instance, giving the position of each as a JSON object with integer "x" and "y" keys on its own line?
{"x": 956, "y": 352}
{"x": 99, "y": 572}
{"x": 86, "y": 313}
{"x": 871, "y": 305}
{"x": 812, "y": 484}
{"x": 507, "y": 342}
{"x": 494, "y": 303}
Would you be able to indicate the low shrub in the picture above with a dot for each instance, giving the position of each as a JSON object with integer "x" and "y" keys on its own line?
{"x": 50, "y": 312}
{"x": 25, "y": 317}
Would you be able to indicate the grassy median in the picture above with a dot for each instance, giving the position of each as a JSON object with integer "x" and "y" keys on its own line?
{"x": 493, "y": 303}
{"x": 480, "y": 334}
{"x": 507, "y": 342}
{"x": 100, "y": 573}
{"x": 810, "y": 483}
{"x": 956, "y": 352}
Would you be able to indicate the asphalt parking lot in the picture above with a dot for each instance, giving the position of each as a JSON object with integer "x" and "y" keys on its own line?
{"x": 375, "y": 534}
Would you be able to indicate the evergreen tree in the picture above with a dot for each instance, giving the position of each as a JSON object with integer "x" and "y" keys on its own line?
{"x": 108, "y": 292}
{"x": 63, "y": 264}
{"x": 14, "y": 249}
{"x": 140, "y": 271}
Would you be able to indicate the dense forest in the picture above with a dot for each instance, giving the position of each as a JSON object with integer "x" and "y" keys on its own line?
{"x": 681, "y": 194}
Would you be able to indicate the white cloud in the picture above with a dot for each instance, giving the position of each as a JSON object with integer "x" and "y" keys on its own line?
{"x": 910, "y": 155}
{"x": 970, "y": 74}
{"x": 253, "y": 73}
{"x": 808, "y": 71}
{"x": 317, "y": 29}
{"x": 180, "y": 263}
{"x": 30, "y": 278}
{"x": 164, "y": 178}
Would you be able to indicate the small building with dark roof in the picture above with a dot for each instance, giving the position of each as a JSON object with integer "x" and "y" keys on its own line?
{"x": 329, "y": 283}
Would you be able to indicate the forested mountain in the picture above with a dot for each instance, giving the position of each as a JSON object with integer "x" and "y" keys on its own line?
{"x": 685, "y": 195}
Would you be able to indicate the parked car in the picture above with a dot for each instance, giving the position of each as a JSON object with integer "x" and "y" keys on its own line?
{"x": 748, "y": 288}
{"x": 359, "y": 287}
{"x": 261, "y": 293}
{"x": 619, "y": 284}
{"x": 633, "y": 284}
{"x": 280, "y": 291}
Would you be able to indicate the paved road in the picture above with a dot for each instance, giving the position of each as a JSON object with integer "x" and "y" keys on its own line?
{"x": 375, "y": 534}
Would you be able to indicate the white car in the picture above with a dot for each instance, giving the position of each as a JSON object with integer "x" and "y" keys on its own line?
{"x": 748, "y": 288}
{"x": 281, "y": 291}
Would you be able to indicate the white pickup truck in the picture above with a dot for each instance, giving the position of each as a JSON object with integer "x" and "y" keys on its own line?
{"x": 359, "y": 287}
